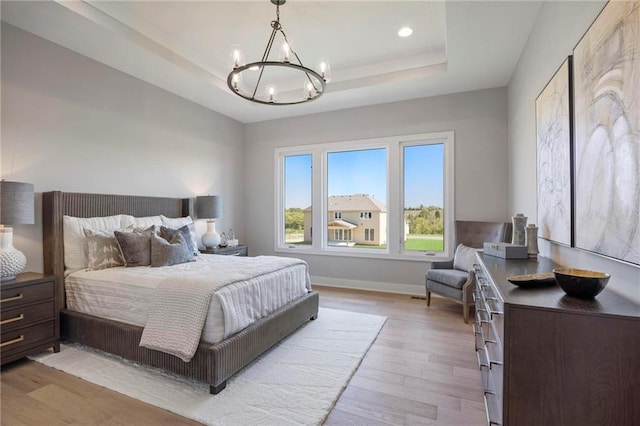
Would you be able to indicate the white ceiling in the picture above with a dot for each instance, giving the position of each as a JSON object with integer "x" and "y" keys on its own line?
{"x": 184, "y": 46}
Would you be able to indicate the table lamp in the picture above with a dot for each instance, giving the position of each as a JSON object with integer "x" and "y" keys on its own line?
{"x": 209, "y": 207}
{"x": 16, "y": 208}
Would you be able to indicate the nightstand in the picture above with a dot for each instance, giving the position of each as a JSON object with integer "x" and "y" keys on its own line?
{"x": 239, "y": 250}
{"x": 29, "y": 318}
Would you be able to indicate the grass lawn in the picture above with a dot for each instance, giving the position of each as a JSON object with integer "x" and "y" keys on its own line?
{"x": 434, "y": 243}
{"x": 414, "y": 242}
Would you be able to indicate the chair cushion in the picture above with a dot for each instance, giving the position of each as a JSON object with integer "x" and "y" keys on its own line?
{"x": 450, "y": 277}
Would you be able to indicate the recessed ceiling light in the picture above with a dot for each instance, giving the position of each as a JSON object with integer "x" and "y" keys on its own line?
{"x": 405, "y": 32}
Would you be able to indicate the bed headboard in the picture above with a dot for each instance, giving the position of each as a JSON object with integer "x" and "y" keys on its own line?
{"x": 56, "y": 204}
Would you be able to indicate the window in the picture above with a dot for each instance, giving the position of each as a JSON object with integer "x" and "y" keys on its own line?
{"x": 357, "y": 178}
{"x": 424, "y": 197}
{"x": 389, "y": 196}
{"x": 297, "y": 210}
{"x": 369, "y": 235}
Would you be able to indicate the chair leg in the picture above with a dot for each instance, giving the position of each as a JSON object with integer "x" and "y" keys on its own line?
{"x": 465, "y": 312}
{"x": 428, "y": 298}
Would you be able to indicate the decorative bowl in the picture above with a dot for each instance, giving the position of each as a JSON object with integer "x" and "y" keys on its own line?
{"x": 533, "y": 280}
{"x": 581, "y": 283}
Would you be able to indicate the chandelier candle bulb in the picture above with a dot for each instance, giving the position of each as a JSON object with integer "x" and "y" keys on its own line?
{"x": 325, "y": 70}
{"x": 236, "y": 81}
{"x": 272, "y": 91}
{"x": 308, "y": 90}
{"x": 235, "y": 56}
{"x": 286, "y": 51}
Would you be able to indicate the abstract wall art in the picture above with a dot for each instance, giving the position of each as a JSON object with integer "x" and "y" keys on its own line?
{"x": 607, "y": 134}
{"x": 553, "y": 131}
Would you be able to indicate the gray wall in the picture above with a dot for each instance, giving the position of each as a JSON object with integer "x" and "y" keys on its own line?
{"x": 559, "y": 27}
{"x": 70, "y": 123}
{"x": 479, "y": 122}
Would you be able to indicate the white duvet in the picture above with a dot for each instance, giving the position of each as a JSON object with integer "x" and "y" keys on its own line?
{"x": 124, "y": 294}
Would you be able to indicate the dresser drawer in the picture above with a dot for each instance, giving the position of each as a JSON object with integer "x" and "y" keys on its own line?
{"x": 23, "y": 337}
{"x": 26, "y": 315}
{"x": 14, "y": 297}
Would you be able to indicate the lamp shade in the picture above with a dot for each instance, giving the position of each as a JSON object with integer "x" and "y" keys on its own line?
{"x": 16, "y": 203}
{"x": 209, "y": 207}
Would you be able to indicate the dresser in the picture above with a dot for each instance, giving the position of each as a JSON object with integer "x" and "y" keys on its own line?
{"x": 550, "y": 359}
{"x": 29, "y": 320}
{"x": 239, "y": 250}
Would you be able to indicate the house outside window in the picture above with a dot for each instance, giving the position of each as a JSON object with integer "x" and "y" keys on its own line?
{"x": 350, "y": 217}
{"x": 393, "y": 195}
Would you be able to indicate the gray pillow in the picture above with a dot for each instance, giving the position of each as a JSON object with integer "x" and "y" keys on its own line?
{"x": 464, "y": 258}
{"x": 167, "y": 253}
{"x": 170, "y": 233}
{"x": 102, "y": 250}
{"x": 136, "y": 246}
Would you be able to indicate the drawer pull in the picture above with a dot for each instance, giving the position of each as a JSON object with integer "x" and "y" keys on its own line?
{"x": 493, "y": 311}
{"x": 489, "y": 360}
{"x": 14, "y": 319}
{"x": 11, "y": 342}
{"x": 480, "y": 319}
{"x": 11, "y": 299}
{"x": 236, "y": 254}
{"x": 481, "y": 359}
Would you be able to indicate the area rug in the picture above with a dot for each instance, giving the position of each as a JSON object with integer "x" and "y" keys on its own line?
{"x": 297, "y": 382}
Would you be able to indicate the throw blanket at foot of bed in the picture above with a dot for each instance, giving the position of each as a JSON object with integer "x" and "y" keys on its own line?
{"x": 181, "y": 301}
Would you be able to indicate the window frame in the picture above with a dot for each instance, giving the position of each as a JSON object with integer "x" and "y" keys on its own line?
{"x": 394, "y": 146}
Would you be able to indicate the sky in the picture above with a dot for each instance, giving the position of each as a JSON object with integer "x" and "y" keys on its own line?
{"x": 365, "y": 172}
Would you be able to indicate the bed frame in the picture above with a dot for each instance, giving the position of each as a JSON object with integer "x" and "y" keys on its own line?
{"x": 212, "y": 363}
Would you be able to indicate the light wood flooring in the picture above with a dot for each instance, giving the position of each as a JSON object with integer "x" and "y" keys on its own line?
{"x": 421, "y": 370}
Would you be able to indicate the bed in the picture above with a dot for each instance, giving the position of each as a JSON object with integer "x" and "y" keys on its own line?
{"x": 213, "y": 363}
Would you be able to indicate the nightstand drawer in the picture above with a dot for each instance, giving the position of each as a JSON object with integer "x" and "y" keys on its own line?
{"x": 17, "y": 339}
{"x": 240, "y": 250}
{"x": 13, "y": 297}
{"x": 26, "y": 315}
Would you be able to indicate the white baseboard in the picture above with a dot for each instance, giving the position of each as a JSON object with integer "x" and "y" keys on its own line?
{"x": 412, "y": 290}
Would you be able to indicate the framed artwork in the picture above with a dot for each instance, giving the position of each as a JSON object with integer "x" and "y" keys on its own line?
{"x": 553, "y": 133}
{"x": 607, "y": 134}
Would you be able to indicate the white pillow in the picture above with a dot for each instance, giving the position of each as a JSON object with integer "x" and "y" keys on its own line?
{"x": 464, "y": 258}
{"x": 147, "y": 221}
{"x": 127, "y": 221}
{"x": 75, "y": 256}
{"x": 179, "y": 222}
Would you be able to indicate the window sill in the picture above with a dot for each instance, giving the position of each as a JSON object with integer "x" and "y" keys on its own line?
{"x": 382, "y": 255}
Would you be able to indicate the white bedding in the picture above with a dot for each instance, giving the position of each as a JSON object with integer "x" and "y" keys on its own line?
{"x": 124, "y": 294}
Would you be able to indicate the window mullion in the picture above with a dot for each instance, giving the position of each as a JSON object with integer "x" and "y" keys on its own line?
{"x": 395, "y": 196}
{"x": 318, "y": 195}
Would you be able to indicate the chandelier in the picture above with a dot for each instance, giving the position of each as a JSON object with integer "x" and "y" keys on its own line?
{"x": 255, "y": 81}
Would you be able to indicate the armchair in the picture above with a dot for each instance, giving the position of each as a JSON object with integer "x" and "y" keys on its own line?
{"x": 456, "y": 279}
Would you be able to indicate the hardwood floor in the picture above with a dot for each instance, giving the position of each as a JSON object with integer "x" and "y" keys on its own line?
{"x": 421, "y": 370}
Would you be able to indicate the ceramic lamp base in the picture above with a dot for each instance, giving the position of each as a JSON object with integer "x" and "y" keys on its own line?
{"x": 211, "y": 238}
{"x": 12, "y": 260}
